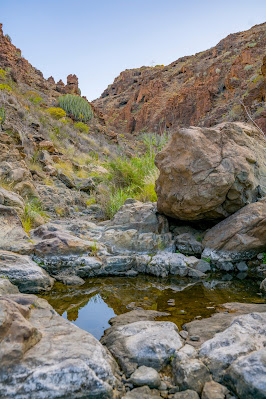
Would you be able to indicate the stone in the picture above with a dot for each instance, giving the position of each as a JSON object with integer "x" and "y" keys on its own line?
{"x": 47, "y": 145}
{"x": 146, "y": 376}
{"x": 23, "y": 272}
{"x": 121, "y": 241}
{"x": 34, "y": 358}
{"x": 237, "y": 355}
{"x": 163, "y": 264}
{"x": 136, "y": 215}
{"x": 26, "y": 189}
{"x": 187, "y": 394}
{"x": 225, "y": 265}
{"x": 210, "y": 173}
{"x": 185, "y": 353}
{"x": 143, "y": 393}
{"x": 263, "y": 285}
{"x": 135, "y": 315}
{"x": 51, "y": 170}
{"x": 188, "y": 240}
{"x": 7, "y": 288}
{"x": 242, "y": 266}
{"x": 218, "y": 322}
{"x": 10, "y": 199}
{"x": 143, "y": 343}
{"x": 86, "y": 185}
{"x": 241, "y": 236}
{"x": 12, "y": 234}
{"x": 190, "y": 374}
{"x": 203, "y": 266}
{"x": 213, "y": 390}
{"x": 65, "y": 179}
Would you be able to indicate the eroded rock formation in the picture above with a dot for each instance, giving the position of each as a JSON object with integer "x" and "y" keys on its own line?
{"x": 210, "y": 173}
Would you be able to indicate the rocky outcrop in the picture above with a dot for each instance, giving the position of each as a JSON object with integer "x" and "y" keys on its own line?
{"x": 211, "y": 173}
{"x": 202, "y": 89}
{"x": 237, "y": 356}
{"x": 23, "y": 272}
{"x": 23, "y": 71}
{"x": 34, "y": 359}
{"x": 12, "y": 234}
{"x": 143, "y": 343}
{"x": 240, "y": 236}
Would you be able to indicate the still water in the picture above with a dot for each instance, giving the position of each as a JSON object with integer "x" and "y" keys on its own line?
{"x": 91, "y": 305}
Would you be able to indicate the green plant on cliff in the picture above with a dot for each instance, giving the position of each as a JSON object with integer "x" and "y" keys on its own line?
{"x": 33, "y": 210}
{"x": 76, "y": 106}
{"x": 56, "y": 112}
{"x": 82, "y": 127}
{"x": 2, "y": 115}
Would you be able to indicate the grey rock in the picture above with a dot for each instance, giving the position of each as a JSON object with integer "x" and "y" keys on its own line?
{"x": 136, "y": 315}
{"x": 23, "y": 272}
{"x": 183, "y": 334}
{"x": 218, "y": 322}
{"x": 12, "y": 234}
{"x": 242, "y": 266}
{"x": 42, "y": 355}
{"x": 188, "y": 394}
{"x": 194, "y": 338}
{"x": 8, "y": 198}
{"x": 188, "y": 240}
{"x": 146, "y": 376}
{"x": 139, "y": 216}
{"x": 164, "y": 264}
{"x": 142, "y": 393}
{"x": 238, "y": 354}
{"x": 213, "y": 390}
{"x": 190, "y": 374}
{"x": 185, "y": 353}
{"x": 225, "y": 265}
{"x": 65, "y": 179}
{"x": 263, "y": 285}
{"x": 203, "y": 266}
{"x": 7, "y": 288}
{"x": 143, "y": 343}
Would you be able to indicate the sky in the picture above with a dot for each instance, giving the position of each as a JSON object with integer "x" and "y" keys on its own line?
{"x": 98, "y": 39}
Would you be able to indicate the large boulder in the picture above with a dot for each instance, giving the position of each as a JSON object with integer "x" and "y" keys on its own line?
{"x": 46, "y": 357}
{"x": 240, "y": 236}
{"x": 210, "y": 173}
{"x": 143, "y": 343}
{"x": 237, "y": 356}
{"x": 23, "y": 272}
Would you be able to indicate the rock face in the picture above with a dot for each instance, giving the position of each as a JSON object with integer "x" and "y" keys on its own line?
{"x": 237, "y": 356}
{"x": 211, "y": 173}
{"x": 143, "y": 343}
{"x": 23, "y": 272}
{"x": 12, "y": 235}
{"x": 240, "y": 236}
{"x": 34, "y": 359}
{"x": 203, "y": 89}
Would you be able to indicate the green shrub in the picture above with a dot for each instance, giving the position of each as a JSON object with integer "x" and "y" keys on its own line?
{"x": 36, "y": 100}
{"x": 5, "y": 87}
{"x": 76, "y": 106}
{"x": 248, "y": 67}
{"x": 56, "y": 113}
{"x": 2, "y": 115}
{"x": 2, "y": 74}
{"x": 33, "y": 209}
{"x": 82, "y": 127}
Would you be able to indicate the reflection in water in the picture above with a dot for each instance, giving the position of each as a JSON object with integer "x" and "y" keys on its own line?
{"x": 88, "y": 318}
{"x": 91, "y": 305}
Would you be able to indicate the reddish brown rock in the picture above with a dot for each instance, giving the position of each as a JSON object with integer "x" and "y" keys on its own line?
{"x": 203, "y": 89}
{"x": 240, "y": 236}
{"x": 210, "y": 173}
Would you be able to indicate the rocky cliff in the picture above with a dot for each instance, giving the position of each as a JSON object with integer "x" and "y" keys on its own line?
{"x": 204, "y": 89}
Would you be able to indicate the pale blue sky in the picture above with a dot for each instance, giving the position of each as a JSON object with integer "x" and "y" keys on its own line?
{"x": 99, "y": 39}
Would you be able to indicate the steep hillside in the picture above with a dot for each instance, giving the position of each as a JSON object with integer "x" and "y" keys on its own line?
{"x": 203, "y": 89}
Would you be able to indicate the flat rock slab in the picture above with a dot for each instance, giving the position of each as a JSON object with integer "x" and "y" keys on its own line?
{"x": 143, "y": 343}
{"x": 207, "y": 328}
{"x": 136, "y": 315}
{"x": 56, "y": 359}
{"x": 23, "y": 272}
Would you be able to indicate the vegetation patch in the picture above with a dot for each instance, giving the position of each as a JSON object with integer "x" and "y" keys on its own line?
{"x": 56, "y": 112}
{"x": 76, "y": 107}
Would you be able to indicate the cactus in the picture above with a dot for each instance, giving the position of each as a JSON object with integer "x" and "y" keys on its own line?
{"x": 76, "y": 106}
